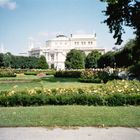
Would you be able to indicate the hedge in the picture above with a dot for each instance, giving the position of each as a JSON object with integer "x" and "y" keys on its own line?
{"x": 114, "y": 93}
{"x": 35, "y": 72}
{"x": 68, "y": 74}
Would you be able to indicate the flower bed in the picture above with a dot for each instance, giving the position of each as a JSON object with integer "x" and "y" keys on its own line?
{"x": 114, "y": 93}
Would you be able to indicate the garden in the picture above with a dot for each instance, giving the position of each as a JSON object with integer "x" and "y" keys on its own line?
{"x": 87, "y": 88}
{"x": 81, "y": 98}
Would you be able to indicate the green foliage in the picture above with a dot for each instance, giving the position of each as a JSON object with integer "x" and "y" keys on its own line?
{"x": 42, "y": 64}
{"x": 121, "y": 13}
{"x": 22, "y": 62}
{"x": 1, "y": 60}
{"x": 50, "y": 72}
{"x": 68, "y": 73}
{"x": 7, "y": 73}
{"x": 89, "y": 76}
{"x": 91, "y": 59}
{"x": 7, "y": 59}
{"x": 37, "y": 71}
{"x": 75, "y": 59}
{"x": 135, "y": 69}
{"x": 107, "y": 59}
{"x": 115, "y": 93}
{"x": 31, "y": 73}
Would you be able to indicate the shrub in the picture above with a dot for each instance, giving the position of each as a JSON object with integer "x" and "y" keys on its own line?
{"x": 50, "y": 72}
{"x": 37, "y": 71}
{"x": 89, "y": 76}
{"x": 31, "y": 73}
{"x": 114, "y": 93}
{"x": 135, "y": 69}
{"x": 7, "y": 73}
{"x": 68, "y": 74}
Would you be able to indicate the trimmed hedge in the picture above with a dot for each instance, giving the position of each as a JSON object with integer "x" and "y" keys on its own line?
{"x": 68, "y": 74}
{"x": 31, "y": 73}
{"x": 35, "y": 72}
{"x": 115, "y": 93}
{"x": 24, "y": 99}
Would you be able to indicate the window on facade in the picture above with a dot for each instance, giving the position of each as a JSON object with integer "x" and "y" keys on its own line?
{"x": 52, "y": 57}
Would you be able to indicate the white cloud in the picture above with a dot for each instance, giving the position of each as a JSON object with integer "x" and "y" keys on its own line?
{"x": 9, "y": 4}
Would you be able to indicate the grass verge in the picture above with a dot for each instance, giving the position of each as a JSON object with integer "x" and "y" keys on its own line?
{"x": 52, "y": 116}
{"x": 29, "y": 82}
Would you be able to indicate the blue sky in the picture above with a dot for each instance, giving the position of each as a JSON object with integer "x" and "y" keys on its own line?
{"x": 41, "y": 20}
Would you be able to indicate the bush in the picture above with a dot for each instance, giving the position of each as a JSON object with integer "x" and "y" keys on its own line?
{"x": 7, "y": 73}
{"x": 135, "y": 69}
{"x": 50, "y": 72}
{"x": 37, "y": 71}
{"x": 114, "y": 93}
{"x": 89, "y": 76}
{"x": 68, "y": 74}
{"x": 31, "y": 73}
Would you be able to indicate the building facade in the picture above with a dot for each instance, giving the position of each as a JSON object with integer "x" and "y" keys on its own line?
{"x": 56, "y": 49}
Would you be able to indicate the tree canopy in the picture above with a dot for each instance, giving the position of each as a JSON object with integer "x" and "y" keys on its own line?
{"x": 107, "y": 59}
{"x": 91, "y": 59}
{"x": 122, "y": 13}
{"x": 42, "y": 64}
{"x": 75, "y": 59}
{"x": 9, "y": 60}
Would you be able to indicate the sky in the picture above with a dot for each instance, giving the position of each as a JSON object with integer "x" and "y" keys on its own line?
{"x": 41, "y": 20}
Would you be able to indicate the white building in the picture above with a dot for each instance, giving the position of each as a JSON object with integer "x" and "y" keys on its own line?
{"x": 56, "y": 49}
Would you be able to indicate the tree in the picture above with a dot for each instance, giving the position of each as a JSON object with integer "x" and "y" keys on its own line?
{"x": 7, "y": 59}
{"x": 91, "y": 59}
{"x": 42, "y": 64}
{"x": 1, "y": 60}
{"x": 75, "y": 59}
{"x": 125, "y": 56}
{"x": 107, "y": 59}
{"x": 122, "y": 13}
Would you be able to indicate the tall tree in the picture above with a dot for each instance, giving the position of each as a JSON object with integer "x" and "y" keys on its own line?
{"x": 7, "y": 59}
{"x": 75, "y": 59}
{"x": 91, "y": 59}
{"x": 107, "y": 59}
{"x": 1, "y": 60}
{"x": 122, "y": 13}
{"x": 42, "y": 64}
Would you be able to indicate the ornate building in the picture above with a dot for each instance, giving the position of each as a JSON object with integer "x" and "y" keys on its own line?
{"x": 56, "y": 49}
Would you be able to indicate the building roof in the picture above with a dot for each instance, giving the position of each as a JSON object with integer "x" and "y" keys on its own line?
{"x": 76, "y": 36}
{"x": 60, "y": 37}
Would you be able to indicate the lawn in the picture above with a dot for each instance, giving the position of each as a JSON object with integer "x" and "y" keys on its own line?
{"x": 28, "y": 81}
{"x": 52, "y": 116}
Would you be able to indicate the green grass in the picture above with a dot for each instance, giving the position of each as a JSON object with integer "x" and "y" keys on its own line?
{"x": 52, "y": 116}
{"x": 24, "y": 82}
